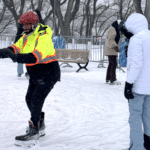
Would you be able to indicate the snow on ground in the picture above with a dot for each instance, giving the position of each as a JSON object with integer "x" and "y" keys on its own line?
{"x": 82, "y": 112}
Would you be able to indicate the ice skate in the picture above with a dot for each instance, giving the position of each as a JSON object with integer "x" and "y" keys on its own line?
{"x": 130, "y": 149}
{"x": 27, "y": 75}
{"x": 41, "y": 131}
{"x": 146, "y": 142}
{"x": 19, "y": 75}
{"x": 41, "y": 126}
{"x": 29, "y": 139}
{"x": 115, "y": 82}
{"x": 107, "y": 81}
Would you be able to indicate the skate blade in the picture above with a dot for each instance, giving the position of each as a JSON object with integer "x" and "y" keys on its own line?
{"x": 41, "y": 133}
{"x": 129, "y": 149}
{"x": 29, "y": 143}
{"x": 28, "y": 77}
{"x": 115, "y": 83}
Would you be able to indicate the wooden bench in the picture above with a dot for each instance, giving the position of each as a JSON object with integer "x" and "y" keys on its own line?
{"x": 73, "y": 56}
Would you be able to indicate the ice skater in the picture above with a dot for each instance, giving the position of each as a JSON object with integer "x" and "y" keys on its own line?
{"x": 137, "y": 86}
{"x": 35, "y": 49}
{"x": 112, "y": 50}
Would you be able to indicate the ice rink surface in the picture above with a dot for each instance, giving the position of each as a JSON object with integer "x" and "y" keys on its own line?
{"x": 82, "y": 112}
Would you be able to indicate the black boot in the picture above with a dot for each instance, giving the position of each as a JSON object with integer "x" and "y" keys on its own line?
{"x": 107, "y": 81}
{"x": 41, "y": 125}
{"x": 29, "y": 138}
{"x": 146, "y": 142}
{"x": 27, "y": 75}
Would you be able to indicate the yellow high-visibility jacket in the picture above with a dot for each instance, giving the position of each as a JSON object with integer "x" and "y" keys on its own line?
{"x": 39, "y": 43}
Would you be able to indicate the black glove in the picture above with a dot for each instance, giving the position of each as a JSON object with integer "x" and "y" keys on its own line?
{"x": 2, "y": 54}
{"x": 128, "y": 91}
{"x": 116, "y": 48}
{"x": 6, "y": 52}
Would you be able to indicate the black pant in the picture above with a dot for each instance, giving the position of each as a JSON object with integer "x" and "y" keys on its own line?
{"x": 35, "y": 97}
{"x": 111, "y": 70}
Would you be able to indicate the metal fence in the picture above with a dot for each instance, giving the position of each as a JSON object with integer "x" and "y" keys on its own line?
{"x": 6, "y": 40}
{"x": 95, "y": 45}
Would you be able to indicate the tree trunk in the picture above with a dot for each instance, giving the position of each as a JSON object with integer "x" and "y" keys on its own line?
{"x": 137, "y": 4}
{"x": 90, "y": 16}
{"x": 147, "y": 12}
{"x": 65, "y": 20}
{"x": 120, "y": 9}
{"x": 66, "y": 30}
{"x": 11, "y": 7}
{"x": 2, "y": 13}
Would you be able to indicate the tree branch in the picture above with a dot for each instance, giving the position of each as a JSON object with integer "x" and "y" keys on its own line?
{"x": 75, "y": 10}
{"x": 138, "y": 8}
{"x": 8, "y": 23}
{"x": 10, "y": 6}
{"x": 40, "y": 2}
{"x": 2, "y": 13}
{"x": 47, "y": 17}
{"x": 22, "y": 7}
{"x": 32, "y": 5}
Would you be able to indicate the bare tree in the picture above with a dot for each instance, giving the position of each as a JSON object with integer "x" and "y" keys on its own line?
{"x": 102, "y": 19}
{"x": 138, "y": 8}
{"x": 71, "y": 17}
{"x": 64, "y": 20}
{"x": 17, "y": 7}
{"x": 10, "y": 5}
{"x": 10, "y": 20}
{"x": 147, "y": 12}
{"x": 2, "y": 13}
{"x": 125, "y": 8}
{"x": 103, "y": 25}
{"x": 82, "y": 22}
{"x": 90, "y": 14}
{"x": 119, "y": 9}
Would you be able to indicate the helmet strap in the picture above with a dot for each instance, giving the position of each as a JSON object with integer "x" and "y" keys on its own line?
{"x": 35, "y": 25}
{"x": 30, "y": 31}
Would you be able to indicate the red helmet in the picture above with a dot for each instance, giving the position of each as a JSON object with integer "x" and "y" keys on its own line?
{"x": 29, "y": 20}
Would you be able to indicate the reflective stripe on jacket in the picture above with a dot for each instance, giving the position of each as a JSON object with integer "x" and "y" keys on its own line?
{"x": 39, "y": 43}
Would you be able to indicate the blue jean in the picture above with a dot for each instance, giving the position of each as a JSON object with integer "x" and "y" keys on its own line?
{"x": 20, "y": 68}
{"x": 139, "y": 120}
